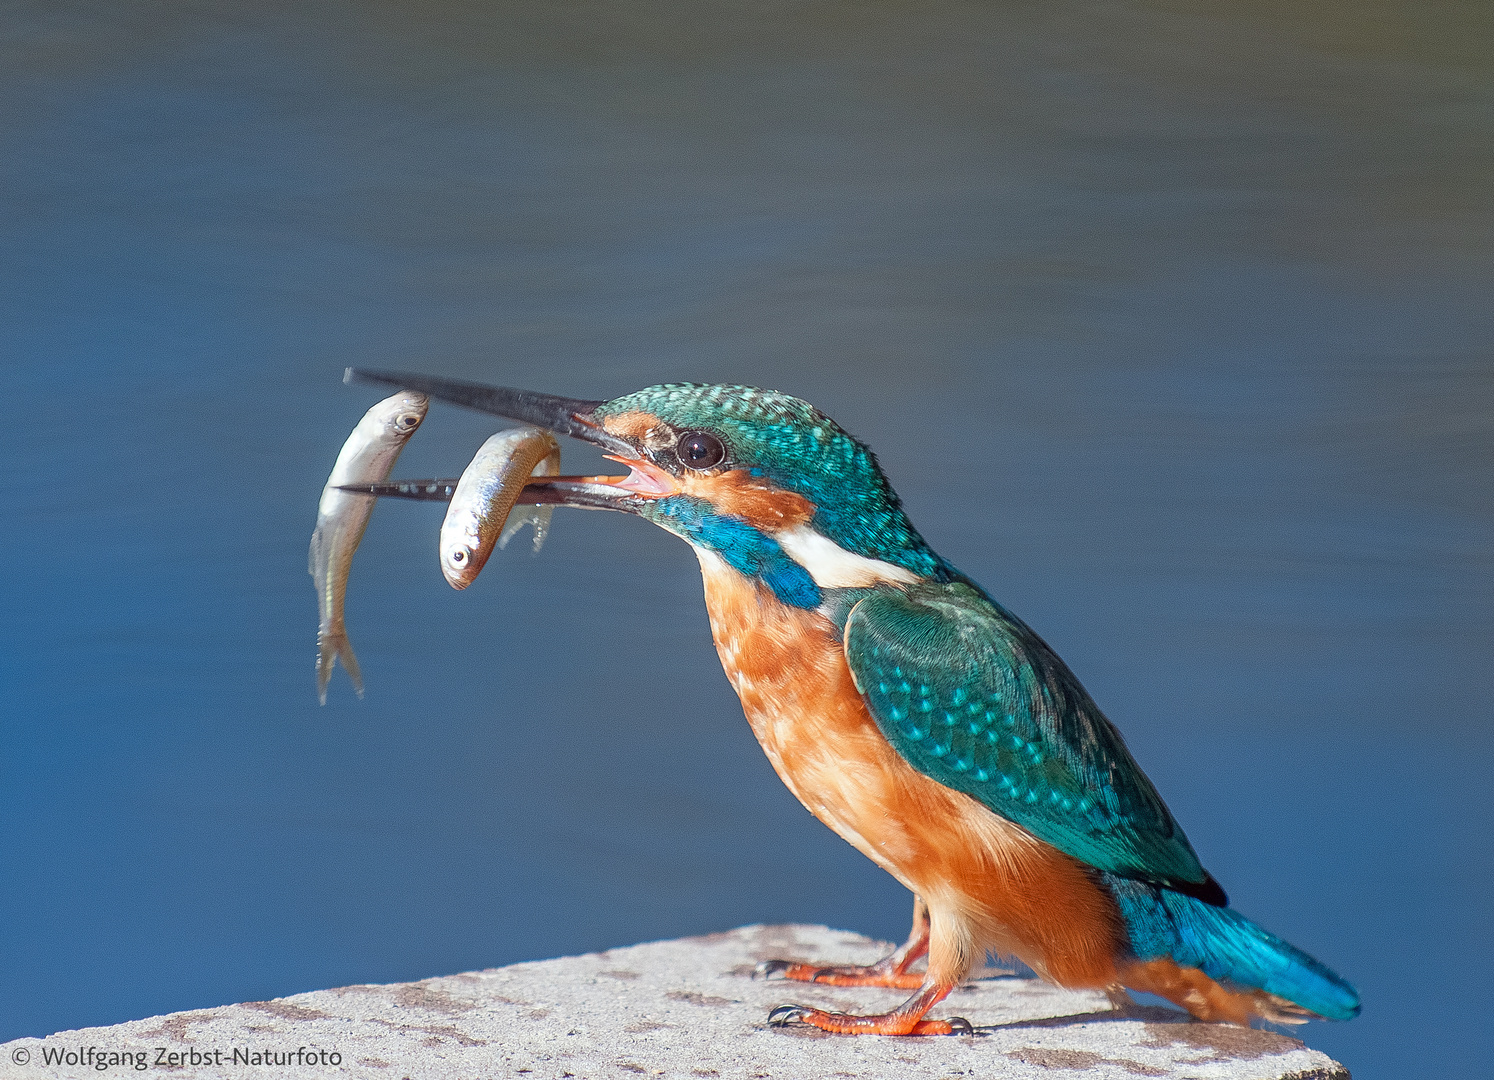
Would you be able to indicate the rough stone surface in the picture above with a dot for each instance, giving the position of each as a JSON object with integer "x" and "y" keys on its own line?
{"x": 679, "y": 1009}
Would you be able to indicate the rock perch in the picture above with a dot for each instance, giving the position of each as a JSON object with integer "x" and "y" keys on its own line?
{"x": 682, "y": 1009}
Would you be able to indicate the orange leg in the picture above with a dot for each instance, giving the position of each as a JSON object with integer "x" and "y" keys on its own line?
{"x": 906, "y": 1019}
{"x": 889, "y": 971}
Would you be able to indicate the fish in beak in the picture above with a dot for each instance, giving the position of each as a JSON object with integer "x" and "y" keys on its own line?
{"x": 562, "y": 415}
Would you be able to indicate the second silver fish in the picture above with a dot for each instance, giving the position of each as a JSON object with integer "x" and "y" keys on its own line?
{"x": 482, "y": 511}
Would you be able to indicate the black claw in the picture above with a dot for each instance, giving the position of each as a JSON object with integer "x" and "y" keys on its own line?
{"x": 768, "y": 968}
{"x": 958, "y": 1025}
{"x": 787, "y": 1014}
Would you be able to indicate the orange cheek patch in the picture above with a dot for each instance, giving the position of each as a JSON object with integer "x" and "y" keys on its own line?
{"x": 755, "y": 500}
{"x": 737, "y": 492}
{"x": 633, "y": 425}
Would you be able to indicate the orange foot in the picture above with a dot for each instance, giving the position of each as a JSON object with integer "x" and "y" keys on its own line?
{"x": 887, "y": 972}
{"x": 893, "y": 1023}
{"x": 906, "y": 1019}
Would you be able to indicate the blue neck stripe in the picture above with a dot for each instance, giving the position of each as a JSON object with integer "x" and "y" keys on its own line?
{"x": 745, "y": 549}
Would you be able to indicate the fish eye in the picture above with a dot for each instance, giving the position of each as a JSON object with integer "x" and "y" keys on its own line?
{"x": 459, "y": 556}
{"x": 407, "y": 422}
{"x": 700, "y": 450}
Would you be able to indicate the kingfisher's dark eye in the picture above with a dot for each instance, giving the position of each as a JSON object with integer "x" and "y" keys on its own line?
{"x": 700, "y": 450}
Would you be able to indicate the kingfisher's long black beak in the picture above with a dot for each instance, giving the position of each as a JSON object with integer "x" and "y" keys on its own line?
{"x": 562, "y": 415}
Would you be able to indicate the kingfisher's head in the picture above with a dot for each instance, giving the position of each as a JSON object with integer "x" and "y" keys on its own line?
{"x": 761, "y": 480}
{"x": 766, "y": 482}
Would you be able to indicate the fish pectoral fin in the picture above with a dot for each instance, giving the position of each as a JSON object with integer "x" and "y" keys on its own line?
{"x": 331, "y": 647}
{"x": 316, "y": 550}
{"x": 538, "y": 516}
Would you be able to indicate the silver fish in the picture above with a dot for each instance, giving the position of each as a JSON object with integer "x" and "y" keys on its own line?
{"x": 341, "y": 517}
{"x": 482, "y": 509}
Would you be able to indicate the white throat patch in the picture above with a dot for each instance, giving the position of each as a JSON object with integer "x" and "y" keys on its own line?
{"x": 833, "y": 567}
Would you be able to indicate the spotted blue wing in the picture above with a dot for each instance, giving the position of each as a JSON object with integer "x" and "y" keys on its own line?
{"x": 972, "y": 698}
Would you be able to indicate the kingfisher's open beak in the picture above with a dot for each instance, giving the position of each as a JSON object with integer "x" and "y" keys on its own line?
{"x": 564, "y": 416}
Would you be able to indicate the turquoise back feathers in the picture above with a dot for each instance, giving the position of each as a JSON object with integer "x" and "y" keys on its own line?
{"x": 971, "y": 697}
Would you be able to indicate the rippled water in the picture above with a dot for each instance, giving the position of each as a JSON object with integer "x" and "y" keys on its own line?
{"x": 1172, "y": 327}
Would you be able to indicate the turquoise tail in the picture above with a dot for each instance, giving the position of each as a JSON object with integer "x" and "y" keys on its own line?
{"x": 1228, "y": 948}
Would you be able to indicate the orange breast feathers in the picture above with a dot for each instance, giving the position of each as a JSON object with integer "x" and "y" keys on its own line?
{"x": 989, "y": 884}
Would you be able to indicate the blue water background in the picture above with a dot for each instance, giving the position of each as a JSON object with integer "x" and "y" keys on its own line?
{"x": 1170, "y": 321}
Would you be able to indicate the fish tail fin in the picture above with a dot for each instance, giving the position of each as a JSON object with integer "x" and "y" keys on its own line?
{"x": 1172, "y": 933}
{"x": 330, "y": 647}
{"x": 538, "y": 516}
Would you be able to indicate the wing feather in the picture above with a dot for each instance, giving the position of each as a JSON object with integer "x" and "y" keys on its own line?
{"x": 972, "y": 698}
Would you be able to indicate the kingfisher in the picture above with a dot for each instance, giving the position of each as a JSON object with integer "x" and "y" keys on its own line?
{"x": 918, "y": 718}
